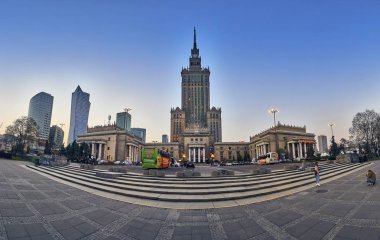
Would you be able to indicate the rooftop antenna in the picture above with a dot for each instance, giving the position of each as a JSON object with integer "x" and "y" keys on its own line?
{"x": 127, "y": 109}
{"x": 61, "y": 124}
{"x": 109, "y": 119}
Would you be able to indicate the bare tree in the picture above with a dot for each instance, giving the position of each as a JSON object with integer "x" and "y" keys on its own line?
{"x": 24, "y": 132}
{"x": 365, "y": 129}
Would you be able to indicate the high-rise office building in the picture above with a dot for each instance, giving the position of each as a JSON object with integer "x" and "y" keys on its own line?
{"x": 56, "y": 136}
{"x": 40, "y": 109}
{"x": 123, "y": 120}
{"x": 139, "y": 132}
{"x": 80, "y": 108}
{"x": 165, "y": 138}
{"x": 322, "y": 144}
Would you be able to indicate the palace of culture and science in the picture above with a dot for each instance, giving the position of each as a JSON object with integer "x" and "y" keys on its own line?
{"x": 196, "y": 129}
{"x": 196, "y": 126}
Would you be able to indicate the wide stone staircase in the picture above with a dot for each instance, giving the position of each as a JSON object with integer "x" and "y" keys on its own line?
{"x": 196, "y": 192}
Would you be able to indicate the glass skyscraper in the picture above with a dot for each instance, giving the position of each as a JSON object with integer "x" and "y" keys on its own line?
{"x": 40, "y": 109}
{"x": 80, "y": 108}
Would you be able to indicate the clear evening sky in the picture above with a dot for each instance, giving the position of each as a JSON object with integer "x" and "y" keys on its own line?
{"x": 316, "y": 61}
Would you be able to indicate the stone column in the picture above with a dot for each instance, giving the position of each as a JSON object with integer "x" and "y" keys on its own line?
{"x": 304, "y": 149}
{"x": 300, "y": 149}
{"x": 194, "y": 154}
{"x": 133, "y": 154}
{"x": 204, "y": 154}
{"x": 189, "y": 154}
{"x": 293, "y": 150}
{"x": 130, "y": 153}
{"x": 199, "y": 154}
{"x": 100, "y": 151}
{"x": 93, "y": 149}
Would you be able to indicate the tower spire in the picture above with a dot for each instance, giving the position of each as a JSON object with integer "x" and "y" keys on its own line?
{"x": 195, "y": 39}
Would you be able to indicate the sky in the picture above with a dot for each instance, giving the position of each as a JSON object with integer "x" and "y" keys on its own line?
{"x": 318, "y": 62}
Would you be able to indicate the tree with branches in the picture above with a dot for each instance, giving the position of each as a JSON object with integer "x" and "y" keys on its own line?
{"x": 365, "y": 130}
{"x": 24, "y": 132}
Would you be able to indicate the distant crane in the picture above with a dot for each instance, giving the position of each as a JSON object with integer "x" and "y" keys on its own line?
{"x": 62, "y": 124}
{"x": 1, "y": 124}
{"x": 127, "y": 109}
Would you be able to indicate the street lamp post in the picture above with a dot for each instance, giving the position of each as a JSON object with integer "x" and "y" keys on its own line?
{"x": 274, "y": 111}
{"x": 331, "y": 126}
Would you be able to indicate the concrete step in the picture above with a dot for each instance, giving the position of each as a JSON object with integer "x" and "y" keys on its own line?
{"x": 189, "y": 195}
{"x": 245, "y": 183}
{"x": 210, "y": 180}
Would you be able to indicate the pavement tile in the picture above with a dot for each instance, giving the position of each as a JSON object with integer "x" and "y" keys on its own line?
{"x": 192, "y": 216}
{"x": 75, "y": 204}
{"x": 358, "y": 233}
{"x": 283, "y": 217}
{"x": 140, "y": 230}
{"x": 242, "y": 229}
{"x": 310, "y": 229}
{"x": 231, "y": 213}
{"x": 102, "y": 216}
{"x": 337, "y": 209}
{"x": 368, "y": 212}
{"x": 16, "y": 231}
{"x": 33, "y": 195}
{"x": 48, "y": 208}
{"x": 154, "y": 213}
{"x": 265, "y": 207}
{"x": 35, "y": 229}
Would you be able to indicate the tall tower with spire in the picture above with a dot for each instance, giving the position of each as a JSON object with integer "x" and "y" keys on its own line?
{"x": 195, "y": 121}
{"x": 195, "y": 89}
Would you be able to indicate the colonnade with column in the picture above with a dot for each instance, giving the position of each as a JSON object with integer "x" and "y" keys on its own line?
{"x": 262, "y": 149}
{"x": 97, "y": 149}
{"x": 298, "y": 149}
{"x": 197, "y": 154}
{"x": 132, "y": 152}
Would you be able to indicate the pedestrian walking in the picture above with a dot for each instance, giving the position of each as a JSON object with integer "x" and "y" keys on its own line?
{"x": 316, "y": 173}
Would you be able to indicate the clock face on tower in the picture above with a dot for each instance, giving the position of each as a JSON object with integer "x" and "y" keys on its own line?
{"x": 194, "y": 55}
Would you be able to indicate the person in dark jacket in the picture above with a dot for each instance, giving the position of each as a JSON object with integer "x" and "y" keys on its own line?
{"x": 371, "y": 177}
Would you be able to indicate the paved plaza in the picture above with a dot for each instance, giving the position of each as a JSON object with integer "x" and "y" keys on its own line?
{"x": 35, "y": 207}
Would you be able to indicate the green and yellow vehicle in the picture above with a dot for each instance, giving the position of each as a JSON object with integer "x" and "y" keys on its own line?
{"x": 154, "y": 158}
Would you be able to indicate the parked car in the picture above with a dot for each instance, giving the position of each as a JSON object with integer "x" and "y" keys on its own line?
{"x": 235, "y": 163}
{"x": 176, "y": 164}
{"x": 222, "y": 163}
{"x": 190, "y": 164}
{"x": 102, "y": 161}
{"x": 228, "y": 163}
{"x": 253, "y": 161}
{"x": 117, "y": 162}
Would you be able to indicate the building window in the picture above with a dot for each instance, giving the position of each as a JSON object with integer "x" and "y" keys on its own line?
{"x": 201, "y": 139}
{"x": 192, "y": 139}
{"x": 108, "y": 148}
{"x": 109, "y": 139}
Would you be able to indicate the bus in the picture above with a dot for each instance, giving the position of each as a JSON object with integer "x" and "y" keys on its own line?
{"x": 155, "y": 158}
{"x": 271, "y": 157}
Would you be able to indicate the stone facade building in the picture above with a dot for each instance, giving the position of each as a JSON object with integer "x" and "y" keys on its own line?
{"x": 293, "y": 140}
{"x": 230, "y": 151}
{"x": 112, "y": 143}
{"x": 195, "y": 126}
